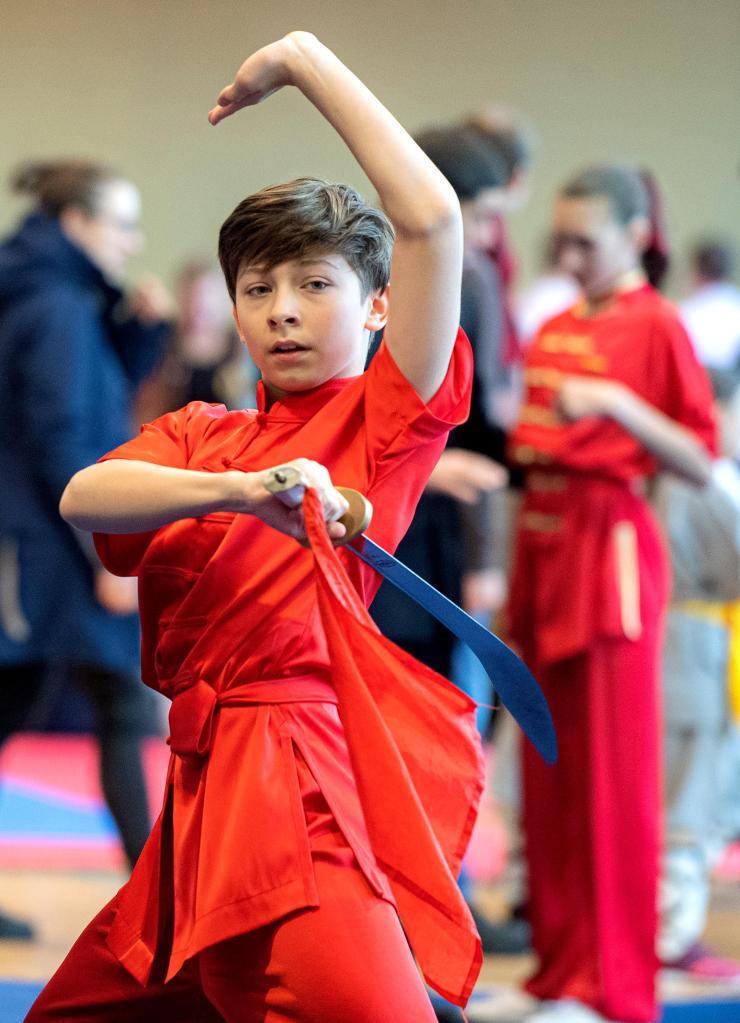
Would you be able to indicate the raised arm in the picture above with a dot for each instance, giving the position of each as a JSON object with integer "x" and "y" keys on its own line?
{"x": 427, "y": 258}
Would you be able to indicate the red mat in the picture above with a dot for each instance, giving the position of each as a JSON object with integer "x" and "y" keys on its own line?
{"x": 52, "y": 812}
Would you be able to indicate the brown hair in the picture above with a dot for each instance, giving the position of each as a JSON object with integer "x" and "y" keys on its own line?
{"x": 467, "y": 162}
{"x": 57, "y": 184}
{"x": 508, "y": 137}
{"x": 623, "y": 186}
{"x": 305, "y": 216}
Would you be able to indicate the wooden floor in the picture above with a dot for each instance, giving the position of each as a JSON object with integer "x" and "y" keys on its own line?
{"x": 59, "y": 904}
{"x": 722, "y": 935}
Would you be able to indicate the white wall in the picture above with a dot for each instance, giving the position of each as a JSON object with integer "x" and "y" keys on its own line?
{"x": 131, "y": 81}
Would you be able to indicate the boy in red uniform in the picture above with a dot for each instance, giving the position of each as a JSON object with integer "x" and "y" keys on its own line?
{"x": 302, "y": 815}
{"x": 614, "y": 393}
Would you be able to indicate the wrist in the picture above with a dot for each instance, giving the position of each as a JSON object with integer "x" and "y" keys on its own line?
{"x": 301, "y": 52}
{"x": 240, "y": 491}
{"x": 620, "y": 403}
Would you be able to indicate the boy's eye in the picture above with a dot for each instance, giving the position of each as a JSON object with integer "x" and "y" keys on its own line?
{"x": 318, "y": 285}
{"x": 256, "y": 290}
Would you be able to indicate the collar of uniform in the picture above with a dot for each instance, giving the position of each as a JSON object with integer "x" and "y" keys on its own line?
{"x": 301, "y": 405}
{"x": 631, "y": 284}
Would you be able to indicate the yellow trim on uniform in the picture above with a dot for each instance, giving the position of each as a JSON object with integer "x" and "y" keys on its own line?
{"x": 540, "y": 522}
{"x": 541, "y": 415}
{"x": 733, "y": 659}
{"x": 628, "y": 578}
{"x": 707, "y": 610}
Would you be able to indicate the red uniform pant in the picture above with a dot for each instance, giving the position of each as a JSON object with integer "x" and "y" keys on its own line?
{"x": 346, "y": 962}
{"x": 592, "y": 826}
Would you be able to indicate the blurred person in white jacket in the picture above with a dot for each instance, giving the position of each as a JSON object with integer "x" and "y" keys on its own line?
{"x": 711, "y": 313}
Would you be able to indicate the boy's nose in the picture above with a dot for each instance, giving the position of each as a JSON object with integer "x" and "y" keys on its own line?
{"x": 283, "y": 311}
{"x": 276, "y": 319}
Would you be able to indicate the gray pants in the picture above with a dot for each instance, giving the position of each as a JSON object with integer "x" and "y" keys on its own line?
{"x": 700, "y": 754}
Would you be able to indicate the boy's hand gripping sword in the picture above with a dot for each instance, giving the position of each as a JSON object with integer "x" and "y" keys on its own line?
{"x": 511, "y": 678}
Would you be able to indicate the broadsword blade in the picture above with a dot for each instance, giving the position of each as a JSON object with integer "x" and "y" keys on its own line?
{"x": 516, "y": 686}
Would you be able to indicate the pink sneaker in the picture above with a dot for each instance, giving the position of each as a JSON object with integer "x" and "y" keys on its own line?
{"x": 699, "y": 962}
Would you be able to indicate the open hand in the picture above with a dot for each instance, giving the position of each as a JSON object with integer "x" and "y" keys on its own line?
{"x": 581, "y": 396}
{"x": 150, "y": 301}
{"x": 466, "y": 475}
{"x": 266, "y": 71}
{"x": 484, "y": 591}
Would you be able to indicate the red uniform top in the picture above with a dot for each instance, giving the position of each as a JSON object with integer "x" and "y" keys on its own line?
{"x": 577, "y": 569}
{"x": 263, "y": 647}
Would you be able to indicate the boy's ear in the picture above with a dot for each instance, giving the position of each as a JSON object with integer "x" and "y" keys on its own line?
{"x": 378, "y": 309}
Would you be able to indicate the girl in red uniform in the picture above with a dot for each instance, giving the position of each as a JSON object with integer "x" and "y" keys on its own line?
{"x": 303, "y": 813}
{"x": 614, "y": 394}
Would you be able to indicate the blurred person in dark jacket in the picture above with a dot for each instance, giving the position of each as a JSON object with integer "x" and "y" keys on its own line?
{"x": 72, "y": 347}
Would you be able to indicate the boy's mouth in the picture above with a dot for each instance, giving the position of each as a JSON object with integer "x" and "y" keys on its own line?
{"x": 286, "y": 347}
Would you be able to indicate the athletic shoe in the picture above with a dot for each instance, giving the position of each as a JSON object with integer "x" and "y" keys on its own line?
{"x": 566, "y": 1010}
{"x": 702, "y": 964}
{"x": 509, "y": 937}
{"x": 500, "y": 1005}
{"x": 14, "y": 930}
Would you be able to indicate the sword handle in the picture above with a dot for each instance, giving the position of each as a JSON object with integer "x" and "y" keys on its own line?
{"x": 288, "y": 484}
{"x": 357, "y": 517}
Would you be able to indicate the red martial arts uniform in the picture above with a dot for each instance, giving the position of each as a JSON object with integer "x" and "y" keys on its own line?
{"x": 314, "y": 764}
{"x": 589, "y": 589}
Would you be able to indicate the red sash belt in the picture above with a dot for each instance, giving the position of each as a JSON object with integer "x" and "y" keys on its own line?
{"x": 194, "y": 706}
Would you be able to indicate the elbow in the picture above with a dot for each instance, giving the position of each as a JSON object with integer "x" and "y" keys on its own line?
{"x": 444, "y": 211}
{"x": 69, "y": 505}
{"x": 66, "y": 503}
{"x": 437, "y": 218}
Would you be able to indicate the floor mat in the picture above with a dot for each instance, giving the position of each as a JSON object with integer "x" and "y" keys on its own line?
{"x": 15, "y": 1000}
{"x": 52, "y": 812}
{"x": 485, "y": 1004}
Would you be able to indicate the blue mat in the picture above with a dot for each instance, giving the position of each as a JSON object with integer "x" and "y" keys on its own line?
{"x": 16, "y": 999}
{"x": 701, "y": 1012}
{"x": 673, "y": 1012}
{"x": 28, "y": 813}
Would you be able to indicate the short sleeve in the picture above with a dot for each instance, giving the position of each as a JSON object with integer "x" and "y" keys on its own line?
{"x": 688, "y": 392}
{"x": 170, "y": 440}
{"x": 397, "y": 419}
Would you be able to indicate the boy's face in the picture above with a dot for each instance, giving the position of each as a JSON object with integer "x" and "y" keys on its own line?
{"x": 592, "y": 246}
{"x": 305, "y": 321}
